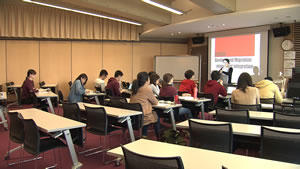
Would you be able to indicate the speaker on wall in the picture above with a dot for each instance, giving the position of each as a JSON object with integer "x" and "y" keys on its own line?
{"x": 282, "y": 31}
{"x": 198, "y": 40}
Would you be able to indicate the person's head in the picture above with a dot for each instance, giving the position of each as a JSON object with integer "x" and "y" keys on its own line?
{"x": 151, "y": 73}
{"x": 269, "y": 78}
{"x": 215, "y": 75}
{"x": 31, "y": 74}
{"x": 142, "y": 79}
{"x": 103, "y": 74}
{"x": 154, "y": 79}
{"x": 168, "y": 78}
{"x": 244, "y": 81}
{"x": 189, "y": 74}
{"x": 83, "y": 78}
{"x": 118, "y": 75}
{"x": 226, "y": 62}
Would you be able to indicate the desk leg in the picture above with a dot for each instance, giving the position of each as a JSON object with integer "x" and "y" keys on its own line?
{"x": 172, "y": 119}
{"x": 50, "y": 105}
{"x": 3, "y": 120}
{"x": 202, "y": 111}
{"x": 130, "y": 129}
{"x": 229, "y": 103}
{"x": 97, "y": 100}
{"x": 76, "y": 163}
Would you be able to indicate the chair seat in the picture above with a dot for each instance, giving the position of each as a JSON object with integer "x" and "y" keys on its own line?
{"x": 50, "y": 143}
{"x": 98, "y": 132}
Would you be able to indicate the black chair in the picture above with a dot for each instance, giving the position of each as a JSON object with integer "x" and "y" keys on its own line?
{"x": 33, "y": 144}
{"x": 60, "y": 97}
{"x": 12, "y": 91}
{"x": 117, "y": 101}
{"x": 138, "y": 161}
{"x": 72, "y": 111}
{"x": 254, "y": 107}
{"x": 42, "y": 84}
{"x": 280, "y": 146}
{"x": 216, "y": 137}
{"x": 137, "y": 121}
{"x": 0, "y": 88}
{"x": 97, "y": 123}
{"x": 109, "y": 92}
{"x": 70, "y": 84}
{"x": 98, "y": 89}
{"x": 166, "y": 98}
{"x": 234, "y": 116}
{"x": 267, "y": 100}
{"x": 211, "y": 104}
{"x": 286, "y": 120}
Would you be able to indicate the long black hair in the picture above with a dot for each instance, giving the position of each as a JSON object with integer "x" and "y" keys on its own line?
{"x": 244, "y": 81}
{"x": 141, "y": 80}
{"x": 84, "y": 76}
{"x": 30, "y": 72}
{"x": 153, "y": 78}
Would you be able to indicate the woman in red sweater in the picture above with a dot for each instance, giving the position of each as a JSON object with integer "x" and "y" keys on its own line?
{"x": 188, "y": 85}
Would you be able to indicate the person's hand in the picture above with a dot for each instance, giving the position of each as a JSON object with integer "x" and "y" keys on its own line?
{"x": 221, "y": 71}
{"x": 221, "y": 82}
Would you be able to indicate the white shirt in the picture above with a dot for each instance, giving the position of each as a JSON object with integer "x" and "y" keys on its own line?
{"x": 155, "y": 89}
{"x": 100, "y": 83}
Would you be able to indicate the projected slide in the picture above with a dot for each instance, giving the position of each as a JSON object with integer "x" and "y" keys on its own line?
{"x": 243, "y": 51}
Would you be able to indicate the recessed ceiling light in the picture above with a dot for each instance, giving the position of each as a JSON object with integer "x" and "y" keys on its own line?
{"x": 83, "y": 12}
{"x": 223, "y": 24}
{"x": 208, "y": 26}
{"x": 179, "y": 32}
{"x": 172, "y": 34}
{"x": 163, "y": 7}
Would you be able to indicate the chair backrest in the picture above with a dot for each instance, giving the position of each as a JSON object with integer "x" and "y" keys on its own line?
{"x": 70, "y": 84}
{"x": 286, "y": 120}
{"x": 60, "y": 96}
{"x": 166, "y": 98}
{"x": 96, "y": 119}
{"x": 117, "y": 101}
{"x": 42, "y": 84}
{"x": 0, "y": 88}
{"x": 233, "y": 115}
{"x": 267, "y": 100}
{"x": 254, "y": 107}
{"x": 211, "y": 104}
{"x": 31, "y": 137}
{"x": 280, "y": 146}
{"x": 72, "y": 111}
{"x": 136, "y": 161}
{"x": 296, "y": 101}
{"x": 16, "y": 128}
{"x": 180, "y": 93}
{"x": 98, "y": 89}
{"x": 217, "y": 137}
{"x": 8, "y": 89}
{"x": 109, "y": 92}
{"x": 137, "y": 121}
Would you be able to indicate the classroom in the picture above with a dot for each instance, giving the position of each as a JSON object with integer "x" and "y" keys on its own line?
{"x": 153, "y": 84}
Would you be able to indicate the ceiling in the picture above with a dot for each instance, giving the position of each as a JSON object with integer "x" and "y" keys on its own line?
{"x": 275, "y": 15}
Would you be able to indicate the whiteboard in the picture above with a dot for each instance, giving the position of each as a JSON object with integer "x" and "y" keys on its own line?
{"x": 177, "y": 65}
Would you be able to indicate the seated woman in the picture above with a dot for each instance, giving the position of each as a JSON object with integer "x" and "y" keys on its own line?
{"x": 28, "y": 88}
{"x": 154, "y": 84}
{"x": 142, "y": 93}
{"x": 77, "y": 89}
{"x": 168, "y": 90}
{"x": 245, "y": 93}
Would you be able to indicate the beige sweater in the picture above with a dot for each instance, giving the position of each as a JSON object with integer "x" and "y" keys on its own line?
{"x": 146, "y": 98}
{"x": 250, "y": 97}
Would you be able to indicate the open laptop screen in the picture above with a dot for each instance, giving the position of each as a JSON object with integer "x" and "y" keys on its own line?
{"x": 230, "y": 89}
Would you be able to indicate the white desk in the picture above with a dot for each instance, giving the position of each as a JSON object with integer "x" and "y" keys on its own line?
{"x": 288, "y": 100}
{"x": 196, "y": 158}
{"x": 95, "y": 95}
{"x": 43, "y": 94}
{"x": 50, "y": 85}
{"x": 239, "y": 128}
{"x": 266, "y": 106}
{"x": 258, "y": 115}
{"x": 3, "y": 97}
{"x": 52, "y": 123}
{"x": 168, "y": 108}
{"x": 121, "y": 114}
{"x": 198, "y": 102}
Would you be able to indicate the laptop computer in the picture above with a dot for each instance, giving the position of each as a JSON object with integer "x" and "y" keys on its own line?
{"x": 230, "y": 89}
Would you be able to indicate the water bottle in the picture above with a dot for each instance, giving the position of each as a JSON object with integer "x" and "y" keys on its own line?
{"x": 195, "y": 92}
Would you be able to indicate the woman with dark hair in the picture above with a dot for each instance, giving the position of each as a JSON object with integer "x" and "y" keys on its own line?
{"x": 245, "y": 93}
{"x": 142, "y": 93}
{"x": 77, "y": 89}
{"x": 188, "y": 85}
{"x": 226, "y": 71}
{"x": 154, "y": 84}
{"x": 28, "y": 88}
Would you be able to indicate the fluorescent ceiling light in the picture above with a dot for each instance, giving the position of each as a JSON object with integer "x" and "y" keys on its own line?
{"x": 163, "y": 7}
{"x": 83, "y": 12}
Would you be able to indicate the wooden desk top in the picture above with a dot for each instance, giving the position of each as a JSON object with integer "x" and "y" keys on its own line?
{"x": 191, "y": 99}
{"x": 49, "y": 122}
{"x": 260, "y": 115}
{"x": 111, "y": 111}
{"x": 239, "y": 128}
{"x": 196, "y": 158}
{"x": 3, "y": 96}
{"x": 45, "y": 94}
{"x": 90, "y": 94}
{"x": 50, "y": 85}
{"x": 15, "y": 86}
{"x": 166, "y": 106}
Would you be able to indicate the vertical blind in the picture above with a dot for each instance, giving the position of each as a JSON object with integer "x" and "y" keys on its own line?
{"x": 32, "y": 21}
{"x": 297, "y": 43}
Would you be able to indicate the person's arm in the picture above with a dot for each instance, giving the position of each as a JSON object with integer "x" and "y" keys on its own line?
{"x": 229, "y": 73}
{"x": 79, "y": 89}
{"x": 223, "y": 91}
{"x": 278, "y": 96}
{"x": 116, "y": 89}
{"x": 154, "y": 90}
{"x": 102, "y": 85}
{"x": 257, "y": 96}
{"x": 30, "y": 86}
{"x": 152, "y": 99}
